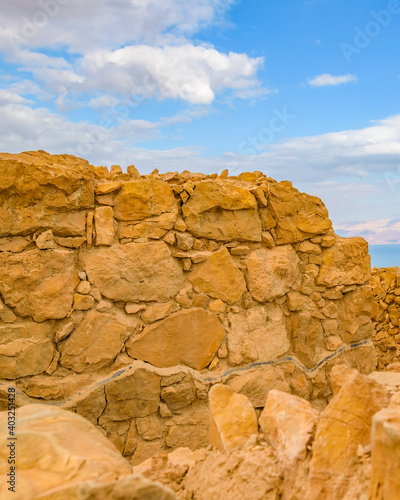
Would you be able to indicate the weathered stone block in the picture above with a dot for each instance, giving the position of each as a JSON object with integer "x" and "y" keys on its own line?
{"x": 191, "y": 337}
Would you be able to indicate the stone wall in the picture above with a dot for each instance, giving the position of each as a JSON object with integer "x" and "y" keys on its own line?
{"x": 125, "y": 297}
{"x": 385, "y": 284}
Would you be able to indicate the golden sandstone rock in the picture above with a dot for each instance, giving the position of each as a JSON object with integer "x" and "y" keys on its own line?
{"x": 219, "y": 277}
{"x": 191, "y": 337}
{"x": 233, "y": 419}
{"x": 345, "y": 263}
{"x": 57, "y": 450}
{"x": 127, "y": 297}
{"x": 344, "y": 425}
{"x": 38, "y": 283}
{"x": 48, "y": 185}
{"x": 136, "y": 271}
{"x": 222, "y": 212}
{"x": 137, "y": 200}
{"x": 289, "y": 423}
{"x": 385, "y": 453}
{"x": 271, "y": 273}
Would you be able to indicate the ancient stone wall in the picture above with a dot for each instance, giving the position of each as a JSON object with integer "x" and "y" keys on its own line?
{"x": 385, "y": 284}
{"x": 125, "y": 297}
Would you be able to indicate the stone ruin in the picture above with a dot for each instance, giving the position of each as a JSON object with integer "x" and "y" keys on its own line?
{"x": 126, "y": 297}
{"x": 385, "y": 284}
{"x": 217, "y": 318}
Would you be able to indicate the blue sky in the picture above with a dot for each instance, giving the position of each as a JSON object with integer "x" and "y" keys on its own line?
{"x": 305, "y": 90}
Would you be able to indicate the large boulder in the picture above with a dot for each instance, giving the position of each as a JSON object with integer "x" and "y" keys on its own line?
{"x": 39, "y": 283}
{"x": 347, "y": 262}
{"x": 133, "y": 272}
{"x": 222, "y": 212}
{"x": 140, "y": 199}
{"x": 191, "y": 337}
{"x": 345, "y": 424}
{"x": 289, "y": 424}
{"x": 271, "y": 272}
{"x": 94, "y": 343}
{"x": 25, "y": 349}
{"x": 36, "y": 189}
{"x": 259, "y": 334}
{"x": 298, "y": 216}
{"x": 233, "y": 418}
{"x": 385, "y": 454}
{"x": 219, "y": 277}
{"x": 56, "y": 449}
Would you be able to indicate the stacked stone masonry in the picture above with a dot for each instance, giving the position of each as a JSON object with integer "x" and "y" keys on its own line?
{"x": 126, "y": 297}
{"x": 386, "y": 316}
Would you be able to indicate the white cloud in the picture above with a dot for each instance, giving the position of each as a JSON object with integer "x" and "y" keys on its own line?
{"x": 188, "y": 72}
{"x": 327, "y": 80}
{"x": 84, "y": 26}
{"x": 127, "y": 47}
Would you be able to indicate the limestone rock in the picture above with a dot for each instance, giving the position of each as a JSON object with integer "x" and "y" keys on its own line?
{"x": 36, "y": 188}
{"x": 260, "y": 334}
{"x": 38, "y": 283}
{"x": 307, "y": 337}
{"x": 107, "y": 187}
{"x": 179, "y": 395}
{"x": 271, "y": 272}
{"x": 219, "y": 277}
{"x": 133, "y": 272}
{"x": 233, "y": 419}
{"x": 190, "y": 429}
{"x": 140, "y": 199}
{"x": 248, "y": 474}
{"x": 158, "y": 311}
{"x": 289, "y": 423}
{"x": 257, "y": 384}
{"x": 92, "y": 405}
{"x": 355, "y": 310}
{"x": 146, "y": 450}
{"x": 385, "y": 454}
{"x": 82, "y": 302}
{"x": 344, "y": 425}
{"x": 347, "y": 262}
{"x": 222, "y": 212}
{"x": 149, "y": 428}
{"x": 14, "y": 245}
{"x": 94, "y": 343}
{"x": 25, "y": 349}
{"x": 45, "y": 240}
{"x": 57, "y": 449}
{"x": 153, "y": 227}
{"x": 104, "y": 225}
{"x": 190, "y": 337}
{"x": 298, "y": 216}
{"x": 126, "y": 488}
{"x": 132, "y": 395}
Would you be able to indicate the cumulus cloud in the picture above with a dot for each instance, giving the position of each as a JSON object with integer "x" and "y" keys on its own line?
{"x": 84, "y": 26}
{"x": 188, "y": 72}
{"x": 327, "y": 80}
{"x": 128, "y": 47}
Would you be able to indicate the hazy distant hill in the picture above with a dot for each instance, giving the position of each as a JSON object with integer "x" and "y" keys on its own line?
{"x": 376, "y": 232}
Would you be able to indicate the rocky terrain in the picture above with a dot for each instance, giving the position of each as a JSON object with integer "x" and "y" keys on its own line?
{"x": 195, "y": 333}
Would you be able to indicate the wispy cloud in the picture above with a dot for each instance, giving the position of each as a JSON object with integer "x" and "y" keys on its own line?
{"x": 328, "y": 80}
